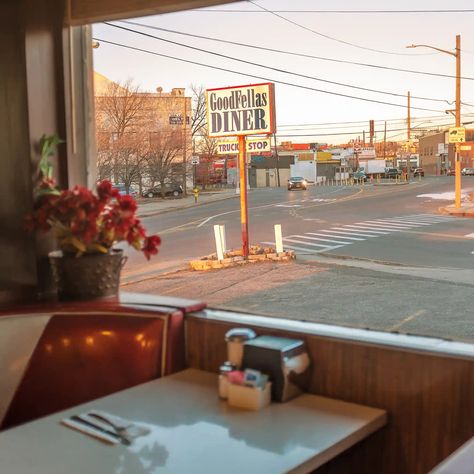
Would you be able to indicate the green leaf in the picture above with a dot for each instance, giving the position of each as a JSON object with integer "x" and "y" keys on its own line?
{"x": 48, "y": 145}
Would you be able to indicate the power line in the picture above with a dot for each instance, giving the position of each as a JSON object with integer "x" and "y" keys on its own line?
{"x": 358, "y": 123}
{"x": 292, "y": 53}
{"x": 204, "y": 10}
{"x": 355, "y": 122}
{"x": 359, "y": 132}
{"x": 263, "y": 78}
{"x": 332, "y": 38}
{"x": 284, "y": 71}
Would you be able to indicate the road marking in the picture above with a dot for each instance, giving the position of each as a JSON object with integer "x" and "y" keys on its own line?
{"x": 394, "y": 224}
{"x": 367, "y": 229}
{"x": 323, "y": 240}
{"x": 353, "y": 232}
{"x": 290, "y": 239}
{"x": 378, "y": 226}
{"x": 360, "y": 231}
{"x": 407, "y": 319}
{"x": 287, "y": 205}
{"x": 302, "y": 249}
{"x": 406, "y": 221}
{"x": 334, "y": 232}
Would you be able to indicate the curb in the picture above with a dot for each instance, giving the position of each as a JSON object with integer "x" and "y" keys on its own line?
{"x": 186, "y": 206}
{"x": 457, "y": 213}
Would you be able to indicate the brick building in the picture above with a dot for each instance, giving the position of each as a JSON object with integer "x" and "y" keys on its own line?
{"x": 437, "y": 155}
{"x": 163, "y": 119}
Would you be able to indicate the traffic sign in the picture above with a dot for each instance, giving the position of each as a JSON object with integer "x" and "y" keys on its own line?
{"x": 195, "y": 160}
{"x": 457, "y": 135}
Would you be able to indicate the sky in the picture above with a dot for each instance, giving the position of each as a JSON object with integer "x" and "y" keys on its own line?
{"x": 304, "y": 114}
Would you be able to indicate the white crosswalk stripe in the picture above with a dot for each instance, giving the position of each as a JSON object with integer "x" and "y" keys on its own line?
{"x": 324, "y": 240}
{"x": 332, "y": 233}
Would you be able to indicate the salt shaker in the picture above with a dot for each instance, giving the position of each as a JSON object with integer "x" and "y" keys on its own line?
{"x": 224, "y": 369}
{"x": 235, "y": 339}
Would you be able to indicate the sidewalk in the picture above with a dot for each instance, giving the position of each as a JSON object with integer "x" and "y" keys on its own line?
{"x": 466, "y": 210}
{"x": 153, "y": 206}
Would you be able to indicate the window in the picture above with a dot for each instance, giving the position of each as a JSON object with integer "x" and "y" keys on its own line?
{"x": 369, "y": 253}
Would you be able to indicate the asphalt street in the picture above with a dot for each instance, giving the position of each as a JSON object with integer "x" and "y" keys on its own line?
{"x": 378, "y": 257}
{"x": 382, "y": 223}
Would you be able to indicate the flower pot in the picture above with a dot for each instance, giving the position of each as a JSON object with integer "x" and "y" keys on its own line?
{"x": 87, "y": 277}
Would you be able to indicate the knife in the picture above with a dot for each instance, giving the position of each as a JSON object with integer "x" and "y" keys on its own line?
{"x": 116, "y": 437}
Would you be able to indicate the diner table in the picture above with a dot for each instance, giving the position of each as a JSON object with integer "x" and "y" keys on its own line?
{"x": 192, "y": 430}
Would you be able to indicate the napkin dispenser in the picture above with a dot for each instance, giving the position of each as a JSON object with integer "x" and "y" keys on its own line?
{"x": 285, "y": 360}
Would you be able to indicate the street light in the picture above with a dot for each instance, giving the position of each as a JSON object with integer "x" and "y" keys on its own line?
{"x": 457, "y": 55}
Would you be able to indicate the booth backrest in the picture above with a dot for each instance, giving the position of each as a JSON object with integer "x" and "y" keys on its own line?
{"x": 81, "y": 357}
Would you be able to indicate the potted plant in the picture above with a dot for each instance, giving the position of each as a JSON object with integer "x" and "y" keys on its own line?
{"x": 87, "y": 225}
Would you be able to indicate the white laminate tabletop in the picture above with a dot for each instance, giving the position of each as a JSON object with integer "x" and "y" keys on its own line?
{"x": 192, "y": 431}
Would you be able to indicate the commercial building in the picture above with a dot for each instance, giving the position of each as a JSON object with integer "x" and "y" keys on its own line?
{"x": 437, "y": 155}
{"x": 156, "y": 119}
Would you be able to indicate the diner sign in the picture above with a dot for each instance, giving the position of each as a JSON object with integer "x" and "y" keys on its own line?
{"x": 252, "y": 145}
{"x": 241, "y": 110}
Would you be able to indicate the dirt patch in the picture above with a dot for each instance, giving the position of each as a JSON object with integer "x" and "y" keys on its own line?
{"x": 217, "y": 287}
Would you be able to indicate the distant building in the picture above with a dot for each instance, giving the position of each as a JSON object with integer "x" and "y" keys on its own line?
{"x": 162, "y": 115}
{"x": 437, "y": 155}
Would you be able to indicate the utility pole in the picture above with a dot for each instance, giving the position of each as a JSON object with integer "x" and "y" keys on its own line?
{"x": 408, "y": 138}
{"x": 277, "y": 160}
{"x": 385, "y": 140}
{"x": 184, "y": 145}
{"x": 457, "y": 162}
{"x": 457, "y": 55}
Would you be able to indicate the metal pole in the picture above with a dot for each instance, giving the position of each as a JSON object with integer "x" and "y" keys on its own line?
{"x": 277, "y": 160}
{"x": 457, "y": 162}
{"x": 184, "y": 147}
{"x": 243, "y": 197}
{"x": 384, "y": 140}
{"x": 409, "y": 137}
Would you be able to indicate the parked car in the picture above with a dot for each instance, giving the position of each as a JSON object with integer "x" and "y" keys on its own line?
{"x": 451, "y": 172}
{"x": 123, "y": 190}
{"x": 418, "y": 172}
{"x": 171, "y": 189}
{"x": 297, "y": 182}
{"x": 467, "y": 171}
{"x": 392, "y": 172}
{"x": 360, "y": 175}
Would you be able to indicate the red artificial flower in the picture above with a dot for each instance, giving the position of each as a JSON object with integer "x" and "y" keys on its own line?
{"x": 105, "y": 190}
{"x": 150, "y": 246}
{"x": 89, "y": 223}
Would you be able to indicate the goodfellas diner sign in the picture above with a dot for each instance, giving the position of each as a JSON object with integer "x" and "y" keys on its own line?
{"x": 241, "y": 110}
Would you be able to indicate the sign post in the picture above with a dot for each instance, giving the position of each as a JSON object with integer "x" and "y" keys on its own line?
{"x": 457, "y": 135}
{"x": 237, "y": 112}
{"x": 243, "y": 197}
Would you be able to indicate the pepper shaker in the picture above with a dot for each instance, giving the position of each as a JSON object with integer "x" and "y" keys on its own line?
{"x": 224, "y": 370}
{"x": 235, "y": 339}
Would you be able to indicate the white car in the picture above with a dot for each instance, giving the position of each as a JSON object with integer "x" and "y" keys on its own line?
{"x": 467, "y": 171}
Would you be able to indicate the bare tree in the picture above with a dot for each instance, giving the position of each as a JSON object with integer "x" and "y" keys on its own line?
{"x": 119, "y": 119}
{"x": 129, "y": 155}
{"x": 165, "y": 148}
{"x": 198, "y": 117}
{"x": 119, "y": 107}
{"x": 207, "y": 145}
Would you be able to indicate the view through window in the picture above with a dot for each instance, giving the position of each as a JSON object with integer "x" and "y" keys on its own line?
{"x": 374, "y": 126}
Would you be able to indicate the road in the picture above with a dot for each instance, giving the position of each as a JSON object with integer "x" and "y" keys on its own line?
{"x": 377, "y": 257}
{"x": 329, "y": 220}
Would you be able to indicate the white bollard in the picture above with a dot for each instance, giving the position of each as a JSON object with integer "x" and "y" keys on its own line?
{"x": 223, "y": 241}
{"x": 217, "y": 236}
{"x": 278, "y": 238}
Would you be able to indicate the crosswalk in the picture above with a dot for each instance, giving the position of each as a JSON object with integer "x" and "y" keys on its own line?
{"x": 323, "y": 240}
